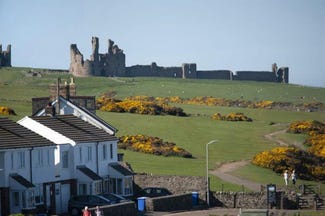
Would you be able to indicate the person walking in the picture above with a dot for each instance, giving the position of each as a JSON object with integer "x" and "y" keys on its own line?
{"x": 98, "y": 211}
{"x": 293, "y": 177}
{"x": 86, "y": 212}
{"x": 285, "y": 177}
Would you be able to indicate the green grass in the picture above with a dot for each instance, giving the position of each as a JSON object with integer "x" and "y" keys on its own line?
{"x": 237, "y": 140}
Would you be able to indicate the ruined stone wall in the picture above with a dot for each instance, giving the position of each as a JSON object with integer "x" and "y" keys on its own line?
{"x": 153, "y": 70}
{"x": 264, "y": 76}
{"x": 111, "y": 63}
{"x": 189, "y": 71}
{"x": 215, "y": 74}
{"x": 5, "y": 56}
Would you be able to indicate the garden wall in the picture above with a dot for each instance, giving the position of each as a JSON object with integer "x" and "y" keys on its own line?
{"x": 170, "y": 203}
{"x": 175, "y": 184}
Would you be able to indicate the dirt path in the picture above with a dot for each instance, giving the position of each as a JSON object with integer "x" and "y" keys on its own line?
{"x": 272, "y": 137}
{"x": 223, "y": 172}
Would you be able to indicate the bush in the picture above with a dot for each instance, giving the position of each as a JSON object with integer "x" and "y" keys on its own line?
{"x": 138, "y": 105}
{"x": 151, "y": 145}
{"x": 310, "y": 164}
{"x": 307, "y": 165}
{"x": 231, "y": 117}
{"x": 6, "y": 111}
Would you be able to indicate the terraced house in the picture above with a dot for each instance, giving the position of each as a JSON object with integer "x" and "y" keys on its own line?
{"x": 26, "y": 168}
{"x": 86, "y": 158}
{"x": 60, "y": 151}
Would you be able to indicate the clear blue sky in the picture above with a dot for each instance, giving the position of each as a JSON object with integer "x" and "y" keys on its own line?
{"x": 214, "y": 34}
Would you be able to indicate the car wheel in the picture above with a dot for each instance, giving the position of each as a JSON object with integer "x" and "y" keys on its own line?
{"x": 74, "y": 211}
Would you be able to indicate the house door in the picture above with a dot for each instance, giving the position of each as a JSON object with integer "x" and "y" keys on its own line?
{"x": 58, "y": 198}
{"x": 48, "y": 196}
{"x": 65, "y": 196}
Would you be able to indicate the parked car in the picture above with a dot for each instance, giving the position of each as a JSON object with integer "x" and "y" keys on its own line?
{"x": 153, "y": 192}
{"x": 77, "y": 203}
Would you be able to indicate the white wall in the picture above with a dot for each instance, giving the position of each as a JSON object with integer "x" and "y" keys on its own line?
{"x": 103, "y": 164}
{"x": 25, "y": 172}
{"x": 44, "y": 172}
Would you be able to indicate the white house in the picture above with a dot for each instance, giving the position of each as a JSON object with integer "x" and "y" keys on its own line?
{"x": 26, "y": 166}
{"x": 85, "y": 158}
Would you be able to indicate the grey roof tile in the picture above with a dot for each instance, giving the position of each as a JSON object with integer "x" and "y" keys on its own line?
{"x": 13, "y": 135}
{"x": 74, "y": 128}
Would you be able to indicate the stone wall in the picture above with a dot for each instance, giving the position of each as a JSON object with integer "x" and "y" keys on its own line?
{"x": 5, "y": 56}
{"x": 111, "y": 63}
{"x": 215, "y": 74}
{"x": 169, "y": 203}
{"x": 240, "y": 200}
{"x": 264, "y": 76}
{"x": 175, "y": 184}
{"x": 153, "y": 70}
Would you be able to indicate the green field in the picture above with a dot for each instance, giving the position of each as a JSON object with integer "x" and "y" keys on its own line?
{"x": 236, "y": 140}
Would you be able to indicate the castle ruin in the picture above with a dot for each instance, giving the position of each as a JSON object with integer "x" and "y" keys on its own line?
{"x": 5, "y": 56}
{"x": 113, "y": 64}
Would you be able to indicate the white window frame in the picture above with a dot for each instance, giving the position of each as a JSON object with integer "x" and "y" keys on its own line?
{"x": 111, "y": 150}
{"x": 12, "y": 160}
{"x": 21, "y": 160}
{"x": 48, "y": 159}
{"x": 29, "y": 197}
{"x": 104, "y": 152}
{"x": 98, "y": 187}
{"x": 65, "y": 159}
{"x": 89, "y": 153}
{"x": 80, "y": 154}
{"x": 39, "y": 193}
{"x": 128, "y": 186}
{"x": 40, "y": 159}
{"x": 82, "y": 189}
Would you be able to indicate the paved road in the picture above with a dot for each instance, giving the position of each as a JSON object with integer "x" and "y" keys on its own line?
{"x": 233, "y": 212}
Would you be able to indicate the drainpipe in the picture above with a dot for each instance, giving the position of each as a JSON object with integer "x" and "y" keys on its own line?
{"x": 31, "y": 164}
{"x": 97, "y": 158}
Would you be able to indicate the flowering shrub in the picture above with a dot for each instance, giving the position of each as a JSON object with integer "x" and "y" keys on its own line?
{"x": 263, "y": 104}
{"x": 6, "y": 111}
{"x": 316, "y": 132}
{"x": 310, "y": 163}
{"x": 316, "y": 144}
{"x": 139, "y": 105}
{"x": 306, "y": 127}
{"x": 151, "y": 145}
{"x": 307, "y": 165}
{"x": 212, "y": 101}
{"x": 231, "y": 117}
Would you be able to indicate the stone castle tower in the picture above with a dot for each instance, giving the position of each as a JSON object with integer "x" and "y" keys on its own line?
{"x": 5, "y": 56}
{"x": 111, "y": 63}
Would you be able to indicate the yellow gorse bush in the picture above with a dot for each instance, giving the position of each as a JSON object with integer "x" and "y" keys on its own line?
{"x": 316, "y": 132}
{"x": 231, "y": 117}
{"x": 6, "y": 111}
{"x": 151, "y": 145}
{"x": 310, "y": 163}
{"x": 307, "y": 165}
{"x": 139, "y": 105}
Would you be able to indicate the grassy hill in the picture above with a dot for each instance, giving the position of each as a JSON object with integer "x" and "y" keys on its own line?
{"x": 237, "y": 140}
